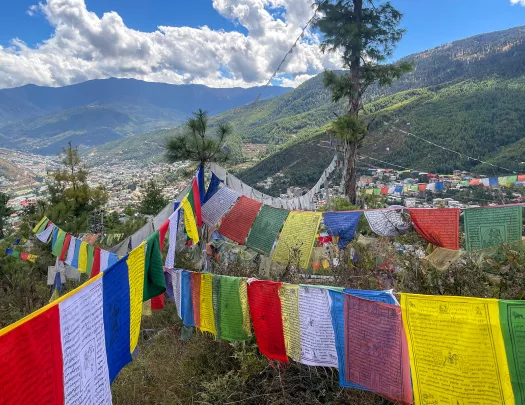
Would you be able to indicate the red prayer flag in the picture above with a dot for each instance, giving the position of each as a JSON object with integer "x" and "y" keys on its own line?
{"x": 95, "y": 268}
{"x": 474, "y": 182}
{"x": 195, "y": 282}
{"x": 31, "y": 367}
{"x": 24, "y": 256}
{"x": 162, "y": 232}
{"x": 196, "y": 202}
{"x": 384, "y": 190}
{"x": 439, "y": 226}
{"x": 422, "y": 187}
{"x": 265, "y": 310}
{"x": 65, "y": 246}
{"x": 521, "y": 177}
{"x": 237, "y": 223}
{"x": 376, "y": 350}
{"x": 157, "y": 302}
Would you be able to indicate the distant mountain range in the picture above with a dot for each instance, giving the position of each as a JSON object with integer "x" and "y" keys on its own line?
{"x": 44, "y": 119}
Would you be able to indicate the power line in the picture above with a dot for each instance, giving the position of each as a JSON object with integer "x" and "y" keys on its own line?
{"x": 289, "y": 52}
{"x": 450, "y": 150}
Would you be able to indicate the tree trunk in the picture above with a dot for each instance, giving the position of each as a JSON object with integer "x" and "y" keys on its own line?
{"x": 351, "y": 145}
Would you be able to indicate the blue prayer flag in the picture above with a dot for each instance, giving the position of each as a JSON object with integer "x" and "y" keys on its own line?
{"x": 493, "y": 181}
{"x": 74, "y": 262}
{"x": 9, "y": 252}
{"x": 169, "y": 285}
{"x": 213, "y": 187}
{"x": 200, "y": 182}
{"x": 16, "y": 242}
{"x": 115, "y": 294}
{"x": 439, "y": 186}
{"x": 398, "y": 189}
{"x": 338, "y": 323}
{"x": 112, "y": 259}
{"x": 55, "y": 234}
{"x": 186, "y": 302}
{"x": 342, "y": 224}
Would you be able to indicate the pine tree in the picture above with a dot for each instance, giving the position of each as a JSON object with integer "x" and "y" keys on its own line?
{"x": 365, "y": 35}
{"x": 153, "y": 201}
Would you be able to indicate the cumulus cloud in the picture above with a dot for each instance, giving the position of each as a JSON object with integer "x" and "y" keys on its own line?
{"x": 520, "y": 2}
{"x": 85, "y": 46}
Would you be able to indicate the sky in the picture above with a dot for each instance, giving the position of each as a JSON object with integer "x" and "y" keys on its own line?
{"x": 219, "y": 43}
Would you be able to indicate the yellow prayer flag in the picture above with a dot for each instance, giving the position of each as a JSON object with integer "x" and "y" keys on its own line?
{"x": 31, "y": 258}
{"x": 457, "y": 354}
{"x": 189, "y": 221}
{"x": 207, "y": 318}
{"x": 289, "y": 295}
{"x": 136, "y": 261}
{"x": 37, "y": 226}
{"x": 297, "y": 238}
{"x": 82, "y": 257}
{"x": 243, "y": 295}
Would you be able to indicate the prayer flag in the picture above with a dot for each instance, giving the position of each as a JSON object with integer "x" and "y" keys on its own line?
{"x": 196, "y": 297}
{"x": 440, "y": 332}
{"x": 486, "y": 227}
{"x": 265, "y": 229}
{"x": 442, "y": 258}
{"x": 297, "y": 238}
{"x": 377, "y": 191}
{"x": 265, "y": 311}
{"x": 384, "y": 190}
{"x": 289, "y": 295}
{"x": 95, "y": 268}
{"x": 213, "y": 187}
{"x": 398, "y": 189}
{"x": 386, "y": 222}
{"x": 200, "y": 183}
{"x": 493, "y": 181}
{"x": 46, "y": 233}
{"x": 172, "y": 248}
{"x": 136, "y": 264}
{"x": 176, "y": 282}
{"x": 188, "y": 318}
{"x": 31, "y": 258}
{"x": 65, "y": 247}
{"x": 154, "y": 282}
{"x": 104, "y": 260}
{"x": 231, "y": 315}
{"x": 116, "y": 295}
{"x": 439, "y": 226}
{"x": 421, "y": 187}
{"x": 157, "y": 303}
{"x": 162, "y": 233}
{"x": 57, "y": 287}
{"x": 76, "y": 255}
{"x": 189, "y": 221}
{"x": 15, "y": 253}
{"x": 41, "y": 225}
{"x": 237, "y": 223}
{"x": 521, "y": 178}
{"x": 439, "y": 186}
{"x": 71, "y": 251}
{"x": 207, "y": 317}
{"x": 376, "y": 350}
{"x": 56, "y": 230}
{"x": 343, "y": 225}
{"x": 82, "y": 257}
{"x": 218, "y": 206}
{"x": 90, "y": 256}
{"x": 58, "y": 242}
{"x": 31, "y": 370}
{"x": 195, "y": 202}
{"x": 24, "y": 256}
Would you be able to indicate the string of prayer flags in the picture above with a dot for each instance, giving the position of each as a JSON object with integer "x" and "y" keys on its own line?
{"x": 237, "y": 223}
{"x": 136, "y": 264}
{"x": 154, "y": 282}
{"x": 231, "y": 313}
{"x": 442, "y": 258}
{"x": 297, "y": 238}
{"x": 189, "y": 221}
{"x": 265, "y": 311}
{"x": 386, "y": 222}
{"x": 195, "y": 202}
{"x": 486, "y": 227}
{"x": 186, "y": 299}
{"x": 218, "y": 205}
{"x": 207, "y": 317}
{"x": 58, "y": 243}
{"x": 117, "y": 316}
{"x": 439, "y": 226}
{"x": 289, "y": 295}
{"x": 376, "y": 348}
{"x": 512, "y": 318}
{"x": 21, "y": 255}
{"x": 65, "y": 247}
{"x": 456, "y": 348}
{"x": 343, "y": 225}
{"x": 174, "y": 228}
{"x": 265, "y": 229}
{"x": 316, "y": 330}
{"x": 31, "y": 370}
{"x": 196, "y": 298}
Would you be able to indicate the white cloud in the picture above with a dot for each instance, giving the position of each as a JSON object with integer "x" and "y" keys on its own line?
{"x": 520, "y": 2}
{"x": 85, "y": 46}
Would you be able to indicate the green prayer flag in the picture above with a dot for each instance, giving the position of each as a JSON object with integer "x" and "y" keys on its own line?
{"x": 377, "y": 191}
{"x": 512, "y": 320}
{"x": 265, "y": 229}
{"x": 215, "y": 298}
{"x": 41, "y": 226}
{"x": 15, "y": 253}
{"x": 154, "y": 282}
{"x": 486, "y": 227}
{"x": 59, "y": 244}
{"x": 90, "y": 256}
{"x": 231, "y": 320}
{"x": 512, "y": 179}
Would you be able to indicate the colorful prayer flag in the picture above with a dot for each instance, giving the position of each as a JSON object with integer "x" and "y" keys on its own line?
{"x": 154, "y": 282}
{"x": 289, "y": 295}
{"x": 189, "y": 221}
{"x": 136, "y": 264}
{"x": 195, "y": 202}
{"x": 218, "y": 206}
{"x": 265, "y": 229}
{"x": 386, "y": 222}
{"x": 439, "y": 226}
{"x": 231, "y": 315}
{"x": 343, "y": 225}
{"x": 237, "y": 223}
{"x": 207, "y": 317}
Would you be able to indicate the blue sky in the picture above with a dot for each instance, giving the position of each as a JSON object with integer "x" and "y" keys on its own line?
{"x": 86, "y": 45}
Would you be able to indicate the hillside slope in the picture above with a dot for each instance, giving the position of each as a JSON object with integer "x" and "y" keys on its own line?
{"x": 43, "y": 119}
